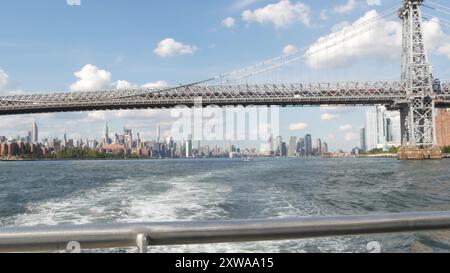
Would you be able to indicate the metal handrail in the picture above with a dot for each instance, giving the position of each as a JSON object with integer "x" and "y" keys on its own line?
{"x": 43, "y": 238}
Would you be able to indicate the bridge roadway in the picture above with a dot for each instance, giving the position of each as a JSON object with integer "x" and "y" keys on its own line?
{"x": 350, "y": 93}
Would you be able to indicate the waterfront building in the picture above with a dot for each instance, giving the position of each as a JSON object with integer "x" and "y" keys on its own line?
{"x": 382, "y": 128}
{"x": 278, "y": 151}
{"x": 3, "y": 149}
{"x": 325, "y": 148}
{"x": 319, "y": 146}
{"x": 270, "y": 146}
{"x": 113, "y": 148}
{"x": 362, "y": 140}
{"x": 443, "y": 127}
{"x": 308, "y": 145}
{"x": 70, "y": 144}
{"x": 292, "y": 146}
{"x": 283, "y": 149}
{"x": 301, "y": 146}
{"x": 188, "y": 148}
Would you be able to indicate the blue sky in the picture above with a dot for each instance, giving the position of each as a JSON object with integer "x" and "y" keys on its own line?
{"x": 43, "y": 43}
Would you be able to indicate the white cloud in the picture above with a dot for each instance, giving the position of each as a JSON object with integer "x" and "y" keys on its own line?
{"x": 171, "y": 48}
{"x": 7, "y": 86}
{"x": 351, "y": 136}
{"x": 328, "y": 117}
{"x": 97, "y": 115}
{"x": 339, "y": 26}
{"x": 73, "y": 2}
{"x": 290, "y": 49}
{"x": 124, "y": 85}
{"x": 346, "y": 8}
{"x": 229, "y": 22}
{"x": 373, "y": 2}
{"x": 381, "y": 40}
{"x": 297, "y": 126}
{"x": 346, "y": 127}
{"x": 4, "y": 81}
{"x": 155, "y": 85}
{"x": 128, "y": 85}
{"x": 435, "y": 39}
{"x": 91, "y": 77}
{"x": 280, "y": 14}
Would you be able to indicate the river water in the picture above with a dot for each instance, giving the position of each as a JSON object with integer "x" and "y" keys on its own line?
{"x": 79, "y": 192}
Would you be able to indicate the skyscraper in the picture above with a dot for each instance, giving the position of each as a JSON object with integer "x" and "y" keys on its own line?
{"x": 64, "y": 144}
{"x": 188, "y": 148}
{"x": 393, "y": 129}
{"x": 128, "y": 138}
{"x": 319, "y": 146}
{"x": 374, "y": 127}
{"x": 292, "y": 146}
{"x": 362, "y": 140}
{"x": 158, "y": 133}
{"x": 301, "y": 146}
{"x": 283, "y": 149}
{"x": 279, "y": 143}
{"x": 270, "y": 145}
{"x": 325, "y": 148}
{"x": 382, "y": 128}
{"x": 106, "y": 139}
{"x": 308, "y": 145}
{"x": 29, "y": 137}
{"x": 34, "y": 133}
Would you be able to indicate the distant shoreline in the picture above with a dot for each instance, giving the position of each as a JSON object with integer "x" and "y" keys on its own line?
{"x": 157, "y": 159}
{"x": 379, "y": 156}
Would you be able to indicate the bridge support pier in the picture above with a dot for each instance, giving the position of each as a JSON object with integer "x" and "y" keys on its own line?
{"x": 414, "y": 153}
{"x": 417, "y": 111}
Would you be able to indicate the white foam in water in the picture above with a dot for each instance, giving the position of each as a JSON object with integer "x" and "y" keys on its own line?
{"x": 193, "y": 197}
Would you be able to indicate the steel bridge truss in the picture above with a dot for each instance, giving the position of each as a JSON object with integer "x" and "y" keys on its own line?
{"x": 369, "y": 93}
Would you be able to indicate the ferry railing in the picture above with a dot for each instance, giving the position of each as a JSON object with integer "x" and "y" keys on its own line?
{"x": 143, "y": 235}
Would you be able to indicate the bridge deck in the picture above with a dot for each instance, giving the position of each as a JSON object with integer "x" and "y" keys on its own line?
{"x": 245, "y": 95}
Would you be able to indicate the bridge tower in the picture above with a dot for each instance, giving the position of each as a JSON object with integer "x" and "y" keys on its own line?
{"x": 417, "y": 112}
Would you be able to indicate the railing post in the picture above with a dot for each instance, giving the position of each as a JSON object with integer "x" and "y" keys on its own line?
{"x": 142, "y": 243}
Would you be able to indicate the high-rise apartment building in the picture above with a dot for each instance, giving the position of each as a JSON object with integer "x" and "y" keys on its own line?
{"x": 319, "y": 146}
{"x": 292, "y": 146}
{"x": 308, "y": 145}
{"x": 301, "y": 147}
{"x": 382, "y": 128}
{"x": 362, "y": 139}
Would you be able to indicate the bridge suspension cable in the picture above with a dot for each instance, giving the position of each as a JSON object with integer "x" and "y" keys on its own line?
{"x": 443, "y": 21}
{"x": 354, "y": 31}
{"x": 437, "y": 7}
{"x": 336, "y": 39}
